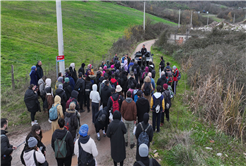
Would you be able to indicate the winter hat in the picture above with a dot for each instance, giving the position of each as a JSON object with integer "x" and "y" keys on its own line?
{"x": 83, "y": 131}
{"x": 174, "y": 67}
{"x": 105, "y": 68}
{"x": 100, "y": 68}
{"x": 89, "y": 66}
{"x": 32, "y": 142}
{"x": 60, "y": 86}
{"x": 118, "y": 88}
{"x": 66, "y": 79}
{"x": 165, "y": 86}
{"x": 116, "y": 115}
{"x": 32, "y": 69}
{"x": 146, "y": 118}
{"x": 112, "y": 66}
{"x": 143, "y": 150}
{"x": 60, "y": 79}
{"x": 83, "y": 65}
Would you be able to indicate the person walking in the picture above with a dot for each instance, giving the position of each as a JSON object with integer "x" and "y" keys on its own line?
{"x": 115, "y": 132}
{"x": 95, "y": 100}
{"x": 85, "y": 146}
{"x": 152, "y": 80}
{"x": 115, "y": 100}
{"x": 136, "y": 70}
{"x": 60, "y": 92}
{"x": 32, "y": 154}
{"x": 105, "y": 94}
{"x": 115, "y": 58}
{"x": 6, "y": 148}
{"x": 161, "y": 65}
{"x": 41, "y": 90}
{"x": 143, "y": 126}
{"x": 73, "y": 72}
{"x": 144, "y": 158}
{"x": 161, "y": 81}
{"x": 131, "y": 82}
{"x": 62, "y": 134}
{"x": 88, "y": 87}
{"x": 175, "y": 78}
{"x": 142, "y": 106}
{"x": 39, "y": 70}
{"x": 82, "y": 69}
{"x": 32, "y": 103}
{"x": 123, "y": 82}
{"x": 49, "y": 97}
{"x": 59, "y": 80}
{"x": 147, "y": 88}
{"x": 67, "y": 88}
{"x": 167, "y": 96}
{"x": 157, "y": 105}
{"x": 33, "y": 76}
{"x": 71, "y": 81}
{"x": 129, "y": 114}
{"x": 73, "y": 98}
{"x": 101, "y": 121}
{"x": 56, "y": 106}
{"x": 80, "y": 87}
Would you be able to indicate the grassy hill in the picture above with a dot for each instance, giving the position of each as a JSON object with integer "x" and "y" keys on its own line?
{"x": 29, "y": 33}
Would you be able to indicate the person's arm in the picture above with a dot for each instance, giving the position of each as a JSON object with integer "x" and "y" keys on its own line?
{"x": 138, "y": 131}
{"x": 158, "y": 82}
{"x": 108, "y": 132}
{"x": 40, "y": 156}
{"x": 94, "y": 149}
{"x": 122, "y": 110}
{"x": 151, "y": 103}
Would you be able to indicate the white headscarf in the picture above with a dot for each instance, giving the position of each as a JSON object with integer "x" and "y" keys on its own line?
{"x": 48, "y": 82}
{"x": 72, "y": 65}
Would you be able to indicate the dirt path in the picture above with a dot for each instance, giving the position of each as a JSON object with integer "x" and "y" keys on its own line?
{"x": 103, "y": 146}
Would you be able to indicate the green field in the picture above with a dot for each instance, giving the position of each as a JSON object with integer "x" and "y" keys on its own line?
{"x": 212, "y": 16}
{"x": 29, "y": 33}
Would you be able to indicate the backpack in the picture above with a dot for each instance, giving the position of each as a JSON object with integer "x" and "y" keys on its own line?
{"x": 167, "y": 97}
{"x": 153, "y": 73}
{"x": 179, "y": 75}
{"x": 135, "y": 96}
{"x": 142, "y": 164}
{"x": 135, "y": 71}
{"x": 171, "y": 91}
{"x": 131, "y": 83}
{"x": 169, "y": 79}
{"x": 117, "y": 64}
{"x": 68, "y": 121}
{"x": 69, "y": 101}
{"x": 115, "y": 105}
{"x": 147, "y": 89}
{"x": 84, "y": 157}
{"x": 53, "y": 113}
{"x": 60, "y": 147}
{"x": 113, "y": 84}
{"x": 157, "y": 105}
{"x": 143, "y": 137}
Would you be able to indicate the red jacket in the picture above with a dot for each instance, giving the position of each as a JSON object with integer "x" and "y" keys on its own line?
{"x": 175, "y": 74}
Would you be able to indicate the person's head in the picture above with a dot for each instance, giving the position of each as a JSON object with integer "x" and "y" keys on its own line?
{"x": 143, "y": 45}
{"x": 117, "y": 115}
{"x": 103, "y": 62}
{"x": 118, "y": 89}
{"x": 161, "y": 57}
{"x": 126, "y": 55}
{"x": 60, "y": 74}
{"x": 61, "y": 123}
{"x": 33, "y": 68}
{"x": 60, "y": 86}
{"x": 168, "y": 63}
{"x": 4, "y": 123}
{"x": 67, "y": 79}
{"x": 89, "y": 66}
{"x": 132, "y": 86}
{"x": 60, "y": 79}
{"x": 100, "y": 68}
{"x": 132, "y": 60}
{"x": 32, "y": 142}
{"x": 113, "y": 76}
{"x": 72, "y": 106}
{"x": 132, "y": 74}
{"x": 44, "y": 78}
{"x": 128, "y": 94}
{"x": 33, "y": 87}
{"x": 146, "y": 118}
{"x": 83, "y": 131}
{"x": 174, "y": 67}
{"x": 138, "y": 86}
{"x": 105, "y": 68}
{"x": 162, "y": 73}
{"x": 39, "y": 63}
{"x": 115, "y": 54}
{"x": 112, "y": 90}
{"x": 48, "y": 82}
{"x": 143, "y": 150}
{"x": 107, "y": 83}
{"x": 139, "y": 94}
{"x": 150, "y": 74}
{"x": 80, "y": 74}
{"x": 36, "y": 131}
{"x": 165, "y": 86}
{"x": 158, "y": 88}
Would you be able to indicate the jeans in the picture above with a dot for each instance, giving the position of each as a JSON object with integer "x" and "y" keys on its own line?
{"x": 174, "y": 86}
{"x": 33, "y": 116}
{"x": 156, "y": 117}
{"x": 81, "y": 100}
{"x": 136, "y": 78}
{"x": 121, "y": 163}
{"x": 167, "y": 115}
{"x": 129, "y": 127}
{"x": 95, "y": 109}
{"x": 64, "y": 161}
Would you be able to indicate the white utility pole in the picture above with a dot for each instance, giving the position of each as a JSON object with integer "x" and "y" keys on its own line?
{"x": 144, "y": 18}
{"x": 179, "y": 19}
{"x": 234, "y": 19}
{"x": 191, "y": 19}
{"x": 207, "y": 20}
{"x": 60, "y": 35}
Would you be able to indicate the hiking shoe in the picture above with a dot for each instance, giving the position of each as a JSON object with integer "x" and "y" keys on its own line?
{"x": 33, "y": 123}
{"x": 126, "y": 144}
{"x": 132, "y": 145}
{"x": 98, "y": 138}
{"x": 89, "y": 110}
{"x": 162, "y": 124}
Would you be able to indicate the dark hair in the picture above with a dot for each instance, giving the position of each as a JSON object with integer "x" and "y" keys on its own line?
{"x": 31, "y": 86}
{"x": 35, "y": 128}
{"x": 158, "y": 88}
{"x": 70, "y": 74}
{"x": 128, "y": 93}
{"x": 168, "y": 63}
{"x": 162, "y": 57}
{"x": 133, "y": 86}
{"x": 106, "y": 82}
{"x": 132, "y": 74}
{"x": 132, "y": 60}
{"x": 3, "y": 122}
{"x": 44, "y": 78}
{"x": 106, "y": 77}
{"x": 138, "y": 86}
{"x": 112, "y": 90}
{"x": 61, "y": 123}
{"x": 139, "y": 93}
{"x": 113, "y": 75}
{"x": 59, "y": 74}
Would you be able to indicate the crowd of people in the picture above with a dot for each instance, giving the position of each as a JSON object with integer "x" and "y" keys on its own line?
{"x": 121, "y": 95}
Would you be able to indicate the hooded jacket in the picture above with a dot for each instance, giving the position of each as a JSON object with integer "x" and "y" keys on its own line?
{"x": 39, "y": 71}
{"x": 175, "y": 74}
{"x": 147, "y": 80}
{"x": 80, "y": 85}
{"x": 29, "y": 158}
{"x": 105, "y": 94}
{"x": 130, "y": 64}
{"x": 33, "y": 76}
{"x": 123, "y": 81}
{"x": 129, "y": 110}
{"x": 94, "y": 95}
{"x": 157, "y": 96}
{"x": 115, "y": 96}
{"x": 74, "y": 95}
{"x": 142, "y": 107}
{"x": 136, "y": 66}
{"x": 71, "y": 82}
{"x": 54, "y": 124}
{"x": 131, "y": 81}
{"x": 145, "y": 72}
{"x": 99, "y": 124}
{"x": 115, "y": 132}
{"x": 31, "y": 100}
{"x": 82, "y": 69}
{"x": 87, "y": 144}
{"x": 73, "y": 72}
{"x": 68, "y": 90}
{"x": 60, "y": 134}
{"x": 41, "y": 85}
{"x": 63, "y": 96}
{"x": 162, "y": 64}
{"x": 161, "y": 81}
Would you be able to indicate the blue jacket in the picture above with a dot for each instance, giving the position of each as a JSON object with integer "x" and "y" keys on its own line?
{"x": 155, "y": 96}
{"x": 34, "y": 78}
{"x": 71, "y": 82}
{"x": 130, "y": 64}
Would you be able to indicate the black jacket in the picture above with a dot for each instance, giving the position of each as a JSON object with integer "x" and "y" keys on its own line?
{"x": 142, "y": 107}
{"x": 74, "y": 95}
{"x": 60, "y": 134}
{"x": 98, "y": 124}
{"x": 162, "y": 63}
{"x": 136, "y": 66}
{"x": 88, "y": 87}
{"x": 73, "y": 121}
{"x": 115, "y": 96}
{"x": 74, "y": 74}
{"x": 123, "y": 81}
{"x": 39, "y": 71}
{"x": 115, "y": 132}
{"x": 105, "y": 94}
{"x": 145, "y": 161}
{"x": 82, "y": 69}
{"x": 80, "y": 85}
{"x": 31, "y": 100}
{"x": 6, "y": 148}
{"x": 62, "y": 94}
{"x": 161, "y": 81}
{"x": 143, "y": 51}
{"x": 130, "y": 81}
{"x": 68, "y": 90}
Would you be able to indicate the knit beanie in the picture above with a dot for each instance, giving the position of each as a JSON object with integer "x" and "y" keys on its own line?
{"x": 83, "y": 131}
{"x": 174, "y": 67}
{"x": 60, "y": 86}
{"x": 165, "y": 86}
{"x": 60, "y": 79}
{"x": 32, "y": 142}
{"x": 143, "y": 150}
{"x": 66, "y": 79}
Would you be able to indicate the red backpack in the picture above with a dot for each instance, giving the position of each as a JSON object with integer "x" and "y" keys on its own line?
{"x": 115, "y": 105}
{"x": 69, "y": 101}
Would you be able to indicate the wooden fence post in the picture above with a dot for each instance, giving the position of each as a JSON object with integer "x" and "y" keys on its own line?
{"x": 13, "y": 80}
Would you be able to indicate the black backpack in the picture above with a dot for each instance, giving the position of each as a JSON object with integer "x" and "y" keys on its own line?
{"x": 135, "y": 70}
{"x": 142, "y": 164}
{"x": 130, "y": 83}
{"x": 147, "y": 89}
{"x": 157, "y": 105}
{"x": 167, "y": 96}
{"x": 84, "y": 157}
{"x": 153, "y": 73}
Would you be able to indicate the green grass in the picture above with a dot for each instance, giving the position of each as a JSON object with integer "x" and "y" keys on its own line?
{"x": 182, "y": 121}
{"x": 212, "y": 16}
{"x": 29, "y": 33}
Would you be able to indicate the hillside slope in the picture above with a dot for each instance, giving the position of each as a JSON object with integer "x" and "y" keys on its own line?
{"x": 29, "y": 33}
